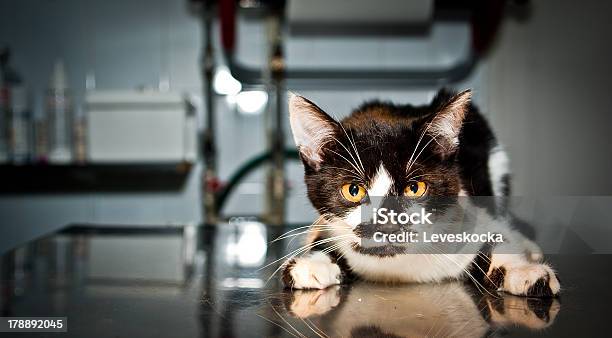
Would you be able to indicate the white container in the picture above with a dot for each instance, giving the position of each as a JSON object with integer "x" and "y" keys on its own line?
{"x": 59, "y": 115}
{"x": 139, "y": 126}
{"x": 21, "y": 127}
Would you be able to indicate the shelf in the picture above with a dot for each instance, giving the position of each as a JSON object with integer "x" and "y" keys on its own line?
{"x": 52, "y": 178}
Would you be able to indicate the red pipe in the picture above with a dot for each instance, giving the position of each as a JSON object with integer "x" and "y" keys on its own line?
{"x": 227, "y": 17}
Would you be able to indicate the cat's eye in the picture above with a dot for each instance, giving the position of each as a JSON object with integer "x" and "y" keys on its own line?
{"x": 415, "y": 189}
{"x": 353, "y": 192}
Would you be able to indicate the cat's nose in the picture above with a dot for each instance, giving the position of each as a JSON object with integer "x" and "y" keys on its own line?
{"x": 392, "y": 207}
{"x": 390, "y": 228}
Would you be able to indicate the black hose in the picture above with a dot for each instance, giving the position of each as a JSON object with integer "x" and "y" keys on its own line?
{"x": 244, "y": 170}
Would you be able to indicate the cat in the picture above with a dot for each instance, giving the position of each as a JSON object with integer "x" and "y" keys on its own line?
{"x": 451, "y": 309}
{"x": 404, "y": 157}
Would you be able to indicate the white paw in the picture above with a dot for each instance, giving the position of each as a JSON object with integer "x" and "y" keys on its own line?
{"x": 314, "y": 272}
{"x": 529, "y": 312}
{"x": 537, "y": 280}
{"x": 308, "y": 303}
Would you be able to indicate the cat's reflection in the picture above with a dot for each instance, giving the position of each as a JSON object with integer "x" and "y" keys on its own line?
{"x": 441, "y": 310}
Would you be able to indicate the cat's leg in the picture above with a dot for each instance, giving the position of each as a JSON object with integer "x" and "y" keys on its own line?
{"x": 316, "y": 270}
{"x": 517, "y": 275}
{"x": 515, "y": 266}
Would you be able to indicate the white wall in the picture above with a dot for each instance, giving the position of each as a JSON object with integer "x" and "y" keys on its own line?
{"x": 549, "y": 96}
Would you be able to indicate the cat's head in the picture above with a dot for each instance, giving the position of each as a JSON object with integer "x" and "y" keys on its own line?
{"x": 399, "y": 157}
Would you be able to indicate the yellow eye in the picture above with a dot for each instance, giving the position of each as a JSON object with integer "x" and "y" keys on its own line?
{"x": 353, "y": 192}
{"x": 415, "y": 189}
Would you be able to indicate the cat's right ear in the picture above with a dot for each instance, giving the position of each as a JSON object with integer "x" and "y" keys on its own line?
{"x": 312, "y": 129}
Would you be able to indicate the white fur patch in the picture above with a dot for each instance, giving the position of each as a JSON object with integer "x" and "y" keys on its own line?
{"x": 354, "y": 217}
{"x": 420, "y": 268}
{"x": 498, "y": 168}
{"x": 315, "y": 271}
{"x": 520, "y": 278}
{"x": 381, "y": 183}
{"x": 380, "y": 186}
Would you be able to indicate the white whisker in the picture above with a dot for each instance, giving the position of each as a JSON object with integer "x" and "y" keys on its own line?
{"x": 410, "y": 161}
{"x": 352, "y": 142}
{"x": 349, "y": 152}
{"x": 349, "y": 162}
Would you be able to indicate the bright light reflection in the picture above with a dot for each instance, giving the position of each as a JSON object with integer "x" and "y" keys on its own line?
{"x": 251, "y": 102}
{"x": 224, "y": 83}
{"x": 249, "y": 250}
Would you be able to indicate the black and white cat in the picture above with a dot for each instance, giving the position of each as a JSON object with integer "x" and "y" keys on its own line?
{"x": 451, "y": 309}
{"x": 417, "y": 153}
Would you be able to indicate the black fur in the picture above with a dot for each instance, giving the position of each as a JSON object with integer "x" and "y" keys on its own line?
{"x": 495, "y": 279}
{"x": 388, "y": 133}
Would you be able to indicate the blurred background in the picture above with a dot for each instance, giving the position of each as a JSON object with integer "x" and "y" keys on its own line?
{"x": 146, "y": 161}
{"x": 172, "y": 112}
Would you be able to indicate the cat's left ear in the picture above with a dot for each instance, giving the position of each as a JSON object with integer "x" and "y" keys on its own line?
{"x": 447, "y": 122}
{"x": 312, "y": 129}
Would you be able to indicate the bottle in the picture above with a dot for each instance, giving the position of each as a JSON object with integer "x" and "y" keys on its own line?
{"x": 41, "y": 140}
{"x": 59, "y": 117}
{"x": 16, "y": 112}
{"x": 20, "y": 126}
{"x": 79, "y": 137}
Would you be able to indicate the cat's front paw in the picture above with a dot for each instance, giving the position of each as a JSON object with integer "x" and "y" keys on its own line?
{"x": 307, "y": 303}
{"x": 316, "y": 271}
{"x": 533, "y": 313}
{"x": 530, "y": 279}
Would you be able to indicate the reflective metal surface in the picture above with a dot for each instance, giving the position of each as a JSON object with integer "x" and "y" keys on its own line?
{"x": 212, "y": 282}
